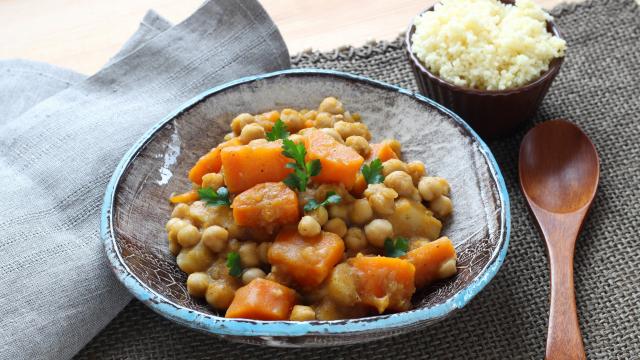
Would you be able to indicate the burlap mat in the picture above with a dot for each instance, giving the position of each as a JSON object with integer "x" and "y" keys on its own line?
{"x": 599, "y": 89}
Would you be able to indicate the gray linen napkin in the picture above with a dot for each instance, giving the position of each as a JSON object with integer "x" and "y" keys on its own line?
{"x": 57, "y": 154}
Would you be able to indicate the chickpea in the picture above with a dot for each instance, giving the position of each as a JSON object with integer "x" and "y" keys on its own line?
{"x": 359, "y": 144}
{"x": 296, "y": 138}
{"x": 197, "y": 258}
{"x": 258, "y": 142}
{"x": 346, "y": 129}
{"x": 355, "y": 239}
{"x": 188, "y": 236}
{"x": 360, "y": 211}
{"x": 431, "y": 187}
{"x": 395, "y": 146}
{"x": 215, "y": 238}
{"x": 249, "y": 254}
{"x": 251, "y": 274}
{"x": 320, "y": 214}
{"x": 392, "y": 165}
{"x": 331, "y": 105}
{"x": 229, "y": 136}
{"x": 334, "y": 134}
{"x": 447, "y": 269}
{"x": 308, "y": 226}
{"x": 309, "y": 115}
{"x": 416, "y": 170}
{"x": 377, "y": 231}
{"x": 292, "y": 119}
{"x": 197, "y": 284}
{"x": 212, "y": 180}
{"x": 381, "y": 198}
{"x": 441, "y": 206}
{"x": 220, "y": 294}
{"x": 174, "y": 248}
{"x": 235, "y": 231}
{"x": 251, "y": 132}
{"x": 339, "y": 211}
{"x": 172, "y": 223}
{"x": 323, "y": 191}
{"x": 401, "y": 182}
{"x": 180, "y": 211}
{"x": 336, "y": 226}
{"x": 234, "y": 245}
{"x": 240, "y": 122}
{"x": 324, "y": 120}
{"x": 302, "y": 313}
{"x": 347, "y": 117}
{"x": 263, "y": 252}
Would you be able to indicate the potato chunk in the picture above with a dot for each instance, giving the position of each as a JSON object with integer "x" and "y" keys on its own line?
{"x": 411, "y": 218}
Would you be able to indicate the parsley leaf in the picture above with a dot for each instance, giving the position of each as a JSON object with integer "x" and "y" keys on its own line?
{"x": 332, "y": 198}
{"x": 215, "y": 198}
{"x": 397, "y": 247}
{"x": 233, "y": 264}
{"x": 278, "y": 131}
{"x": 303, "y": 171}
{"x": 373, "y": 172}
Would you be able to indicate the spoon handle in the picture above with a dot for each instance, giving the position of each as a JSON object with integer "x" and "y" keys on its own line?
{"x": 564, "y": 340}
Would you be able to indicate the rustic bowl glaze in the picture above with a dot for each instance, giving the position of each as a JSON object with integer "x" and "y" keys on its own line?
{"x": 136, "y": 208}
{"x": 492, "y": 113}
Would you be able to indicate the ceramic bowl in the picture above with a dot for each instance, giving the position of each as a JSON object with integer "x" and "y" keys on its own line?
{"x": 136, "y": 208}
{"x": 492, "y": 113}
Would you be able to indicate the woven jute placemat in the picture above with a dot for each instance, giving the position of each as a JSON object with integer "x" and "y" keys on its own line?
{"x": 599, "y": 89}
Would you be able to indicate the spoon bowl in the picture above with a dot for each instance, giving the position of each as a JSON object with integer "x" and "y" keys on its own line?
{"x": 559, "y": 170}
{"x": 567, "y": 166}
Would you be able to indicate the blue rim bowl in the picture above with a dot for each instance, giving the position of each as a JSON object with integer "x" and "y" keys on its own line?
{"x": 292, "y": 333}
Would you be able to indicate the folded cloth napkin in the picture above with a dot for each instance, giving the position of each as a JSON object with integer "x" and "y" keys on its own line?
{"x": 61, "y": 136}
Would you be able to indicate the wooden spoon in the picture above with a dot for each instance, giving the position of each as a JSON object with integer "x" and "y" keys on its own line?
{"x": 559, "y": 171}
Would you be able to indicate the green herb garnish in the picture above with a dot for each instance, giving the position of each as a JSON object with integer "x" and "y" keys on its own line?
{"x": 373, "y": 172}
{"x": 215, "y": 198}
{"x": 278, "y": 131}
{"x": 396, "y": 247}
{"x": 302, "y": 171}
{"x": 233, "y": 264}
{"x": 332, "y": 198}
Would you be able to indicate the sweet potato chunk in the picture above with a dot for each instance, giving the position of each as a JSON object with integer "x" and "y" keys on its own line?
{"x": 340, "y": 163}
{"x": 432, "y": 261}
{"x": 411, "y": 218}
{"x": 307, "y": 260}
{"x": 209, "y": 162}
{"x": 265, "y": 205}
{"x": 247, "y": 165}
{"x": 384, "y": 282}
{"x": 383, "y": 151}
{"x": 262, "y": 299}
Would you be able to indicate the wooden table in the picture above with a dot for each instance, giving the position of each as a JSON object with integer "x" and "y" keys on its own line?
{"x": 83, "y": 34}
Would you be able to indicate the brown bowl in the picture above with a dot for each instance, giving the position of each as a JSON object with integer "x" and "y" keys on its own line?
{"x": 491, "y": 113}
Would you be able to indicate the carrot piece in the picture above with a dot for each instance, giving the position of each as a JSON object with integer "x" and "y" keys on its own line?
{"x": 340, "y": 163}
{"x": 187, "y": 197}
{"x": 248, "y": 165}
{"x": 210, "y": 162}
{"x": 429, "y": 259}
{"x": 266, "y": 204}
{"x": 308, "y": 260}
{"x": 382, "y": 151}
{"x": 262, "y": 299}
{"x": 384, "y": 282}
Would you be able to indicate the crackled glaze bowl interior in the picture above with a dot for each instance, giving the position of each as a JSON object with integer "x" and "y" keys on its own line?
{"x": 136, "y": 207}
